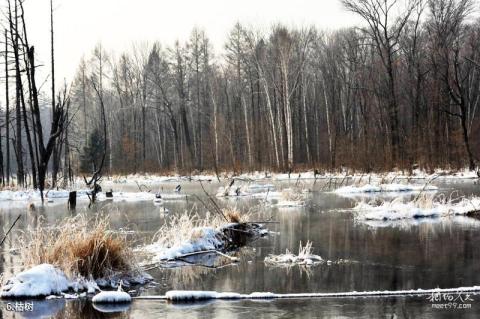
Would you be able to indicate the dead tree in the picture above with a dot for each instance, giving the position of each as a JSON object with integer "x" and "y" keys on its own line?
{"x": 13, "y": 23}
{"x": 57, "y": 125}
{"x": 94, "y": 182}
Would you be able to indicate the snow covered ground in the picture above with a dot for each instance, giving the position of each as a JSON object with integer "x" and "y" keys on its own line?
{"x": 20, "y": 198}
{"x": 151, "y": 179}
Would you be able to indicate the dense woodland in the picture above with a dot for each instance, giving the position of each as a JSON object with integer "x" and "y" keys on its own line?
{"x": 400, "y": 92}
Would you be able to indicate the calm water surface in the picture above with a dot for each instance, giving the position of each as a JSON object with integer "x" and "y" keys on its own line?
{"x": 426, "y": 254}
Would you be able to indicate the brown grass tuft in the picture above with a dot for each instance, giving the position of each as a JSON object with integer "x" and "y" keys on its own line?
{"x": 233, "y": 215}
{"x": 78, "y": 246}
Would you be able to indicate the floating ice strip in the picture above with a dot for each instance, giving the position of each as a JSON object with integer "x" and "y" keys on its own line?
{"x": 189, "y": 296}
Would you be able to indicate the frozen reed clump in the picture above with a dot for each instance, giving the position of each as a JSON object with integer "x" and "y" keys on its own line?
{"x": 190, "y": 233}
{"x": 77, "y": 254}
{"x": 80, "y": 247}
{"x": 304, "y": 257}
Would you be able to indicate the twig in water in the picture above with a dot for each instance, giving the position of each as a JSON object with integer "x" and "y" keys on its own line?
{"x": 215, "y": 205}
{"x": 425, "y": 186}
{"x": 9, "y": 230}
{"x": 141, "y": 185}
{"x": 298, "y": 179}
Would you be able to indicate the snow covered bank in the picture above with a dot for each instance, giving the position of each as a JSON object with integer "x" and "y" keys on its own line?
{"x": 152, "y": 179}
{"x": 398, "y": 210}
{"x": 20, "y": 198}
{"x": 48, "y": 281}
{"x": 395, "y": 188}
{"x": 189, "y": 296}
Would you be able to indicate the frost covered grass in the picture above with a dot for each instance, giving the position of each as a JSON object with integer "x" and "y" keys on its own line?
{"x": 78, "y": 246}
{"x": 77, "y": 254}
{"x": 183, "y": 228}
{"x": 304, "y": 257}
{"x": 424, "y": 205}
{"x": 190, "y": 226}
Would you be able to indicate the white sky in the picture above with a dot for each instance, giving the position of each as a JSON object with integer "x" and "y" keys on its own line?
{"x": 81, "y": 24}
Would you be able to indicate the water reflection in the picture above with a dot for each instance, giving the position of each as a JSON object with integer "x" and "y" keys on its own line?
{"x": 387, "y": 256}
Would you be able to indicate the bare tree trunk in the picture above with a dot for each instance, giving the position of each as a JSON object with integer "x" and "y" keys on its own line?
{"x": 215, "y": 130}
{"x": 329, "y": 130}
{"x": 247, "y": 131}
{"x": 7, "y": 111}
{"x": 272, "y": 119}
{"x": 305, "y": 122}
{"x": 19, "y": 92}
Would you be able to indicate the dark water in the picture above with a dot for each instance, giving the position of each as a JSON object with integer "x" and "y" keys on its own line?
{"x": 424, "y": 254}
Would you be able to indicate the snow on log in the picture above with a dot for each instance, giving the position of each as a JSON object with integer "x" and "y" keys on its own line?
{"x": 112, "y": 297}
{"x": 198, "y": 295}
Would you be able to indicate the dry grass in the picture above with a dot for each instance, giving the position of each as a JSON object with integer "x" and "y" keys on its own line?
{"x": 234, "y": 215}
{"x": 292, "y": 195}
{"x": 79, "y": 247}
{"x": 181, "y": 228}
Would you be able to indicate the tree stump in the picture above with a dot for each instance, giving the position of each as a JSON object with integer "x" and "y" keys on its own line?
{"x": 72, "y": 200}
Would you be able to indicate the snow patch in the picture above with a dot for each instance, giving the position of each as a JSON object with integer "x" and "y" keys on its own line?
{"x": 368, "y": 188}
{"x": 39, "y": 281}
{"x": 397, "y": 210}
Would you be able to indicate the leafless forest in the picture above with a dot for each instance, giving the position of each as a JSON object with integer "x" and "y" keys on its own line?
{"x": 400, "y": 92}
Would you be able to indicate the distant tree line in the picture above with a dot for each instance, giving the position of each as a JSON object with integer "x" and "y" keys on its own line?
{"x": 400, "y": 92}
